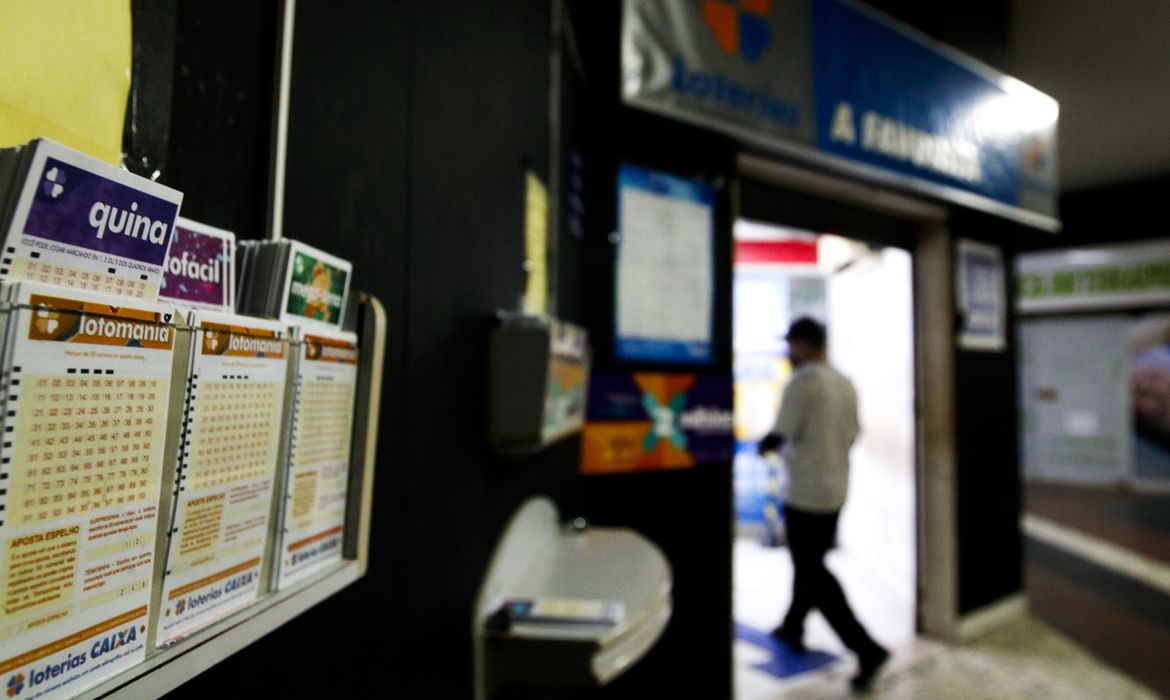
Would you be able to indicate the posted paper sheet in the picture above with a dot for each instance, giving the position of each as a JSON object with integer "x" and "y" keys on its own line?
{"x": 665, "y": 268}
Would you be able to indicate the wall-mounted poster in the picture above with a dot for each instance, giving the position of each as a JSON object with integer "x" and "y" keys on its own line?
{"x": 665, "y": 267}
{"x": 649, "y": 421}
{"x": 1149, "y": 384}
{"x": 981, "y": 297}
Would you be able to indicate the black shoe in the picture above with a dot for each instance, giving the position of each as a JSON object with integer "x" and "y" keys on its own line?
{"x": 792, "y": 640}
{"x": 868, "y": 667}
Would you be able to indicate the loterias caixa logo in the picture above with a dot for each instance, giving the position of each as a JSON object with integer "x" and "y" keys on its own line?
{"x": 15, "y": 685}
{"x": 740, "y": 26}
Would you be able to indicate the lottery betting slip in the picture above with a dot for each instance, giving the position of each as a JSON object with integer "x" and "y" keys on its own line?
{"x": 71, "y": 220}
{"x": 228, "y": 466}
{"x": 86, "y": 395}
{"x": 320, "y": 437}
{"x": 200, "y": 267}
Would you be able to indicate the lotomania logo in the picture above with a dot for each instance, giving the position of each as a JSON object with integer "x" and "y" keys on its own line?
{"x": 740, "y": 27}
{"x": 15, "y": 685}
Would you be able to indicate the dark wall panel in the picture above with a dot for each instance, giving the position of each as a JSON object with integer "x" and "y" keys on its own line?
{"x": 688, "y": 513}
{"x": 1126, "y": 211}
{"x": 347, "y": 174}
{"x": 410, "y": 127}
{"x": 987, "y": 445}
{"x": 199, "y": 114}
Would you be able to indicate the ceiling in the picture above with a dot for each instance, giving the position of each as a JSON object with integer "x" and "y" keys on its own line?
{"x": 1108, "y": 64}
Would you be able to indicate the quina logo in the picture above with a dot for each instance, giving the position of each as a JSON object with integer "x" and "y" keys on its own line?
{"x": 740, "y": 26}
{"x": 54, "y": 186}
{"x": 15, "y": 685}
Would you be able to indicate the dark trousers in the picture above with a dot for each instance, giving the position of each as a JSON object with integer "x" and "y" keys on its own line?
{"x": 810, "y": 536}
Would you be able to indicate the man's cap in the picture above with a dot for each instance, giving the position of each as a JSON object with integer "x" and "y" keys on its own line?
{"x": 807, "y": 330}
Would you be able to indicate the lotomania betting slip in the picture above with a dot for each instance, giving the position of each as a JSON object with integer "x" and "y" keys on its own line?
{"x": 85, "y": 413}
{"x": 223, "y": 516}
{"x": 320, "y": 437}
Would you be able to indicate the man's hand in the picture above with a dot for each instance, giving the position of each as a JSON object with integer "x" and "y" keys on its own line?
{"x": 770, "y": 443}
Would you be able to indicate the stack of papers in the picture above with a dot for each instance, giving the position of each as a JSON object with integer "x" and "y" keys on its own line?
{"x": 73, "y": 221}
{"x": 200, "y": 267}
{"x": 292, "y": 282}
{"x": 85, "y": 394}
{"x": 222, "y": 524}
{"x": 320, "y": 437}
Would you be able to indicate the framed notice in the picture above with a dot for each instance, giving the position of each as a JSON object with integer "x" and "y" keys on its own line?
{"x": 981, "y": 297}
{"x": 665, "y": 268}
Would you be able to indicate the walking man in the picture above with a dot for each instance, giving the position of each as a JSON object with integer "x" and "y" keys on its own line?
{"x": 815, "y": 429}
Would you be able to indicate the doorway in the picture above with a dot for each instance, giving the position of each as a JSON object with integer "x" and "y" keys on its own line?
{"x": 869, "y": 264}
{"x": 863, "y": 294}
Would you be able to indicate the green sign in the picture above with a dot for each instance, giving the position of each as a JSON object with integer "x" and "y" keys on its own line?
{"x": 1121, "y": 276}
{"x": 1113, "y": 279}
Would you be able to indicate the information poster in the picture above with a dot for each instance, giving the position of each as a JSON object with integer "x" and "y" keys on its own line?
{"x": 1076, "y": 413}
{"x": 219, "y": 536}
{"x": 665, "y": 267}
{"x": 82, "y": 224}
{"x": 649, "y": 421}
{"x": 85, "y": 422}
{"x": 1149, "y": 397}
{"x": 982, "y": 297}
{"x": 320, "y": 439}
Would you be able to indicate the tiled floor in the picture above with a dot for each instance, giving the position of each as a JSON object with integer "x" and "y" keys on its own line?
{"x": 1027, "y": 659}
{"x": 874, "y": 563}
{"x": 1024, "y": 660}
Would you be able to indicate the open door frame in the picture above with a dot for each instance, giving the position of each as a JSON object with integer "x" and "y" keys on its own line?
{"x": 935, "y": 483}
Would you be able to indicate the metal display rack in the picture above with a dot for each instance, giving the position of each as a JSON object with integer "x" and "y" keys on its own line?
{"x": 166, "y": 669}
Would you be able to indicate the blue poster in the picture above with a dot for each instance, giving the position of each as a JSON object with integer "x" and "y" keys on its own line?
{"x": 665, "y": 269}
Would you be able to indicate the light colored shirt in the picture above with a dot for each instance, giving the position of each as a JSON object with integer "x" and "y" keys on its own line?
{"x": 818, "y": 420}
